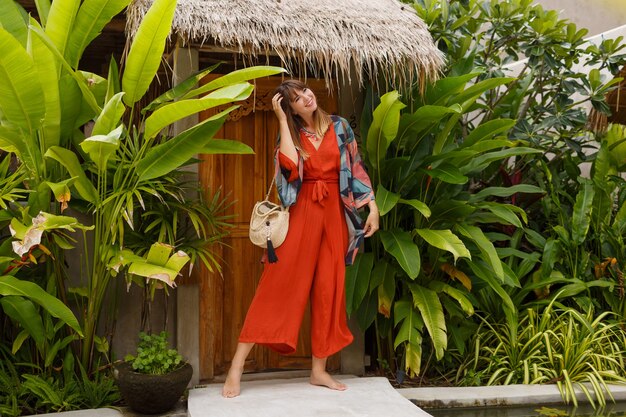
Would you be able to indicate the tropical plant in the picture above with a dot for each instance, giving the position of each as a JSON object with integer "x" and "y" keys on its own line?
{"x": 126, "y": 162}
{"x": 153, "y": 355}
{"x": 560, "y": 346}
{"x": 455, "y": 176}
{"x": 434, "y": 246}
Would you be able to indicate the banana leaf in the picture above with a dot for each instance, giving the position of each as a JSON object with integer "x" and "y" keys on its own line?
{"x": 235, "y": 77}
{"x": 10, "y": 285}
{"x": 358, "y": 277}
{"x": 170, "y": 113}
{"x": 25, "y": 313}
{"x": 175, "y": 152}
{"x": 20, "y": 88}
{"x": 400, "y": 245}
{"x": 60, "y": 22}
{"x": 146, "y": 51}
{"x": 92, "y": 17}
{"x": 384, "y": 128}
{"x": 428, "y": 303}
{"x": 13, "y": 20}
{"x": 445, "y": 240}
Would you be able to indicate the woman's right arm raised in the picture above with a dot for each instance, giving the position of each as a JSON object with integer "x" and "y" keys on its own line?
{"x": 287, "y": 147}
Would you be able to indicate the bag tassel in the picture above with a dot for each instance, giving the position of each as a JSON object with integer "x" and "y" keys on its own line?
{"x": 271, "y": 253}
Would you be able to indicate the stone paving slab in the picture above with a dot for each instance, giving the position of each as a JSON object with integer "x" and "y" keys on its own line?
{"x": 436, "y": 397}
{"x": 365, "y": 397}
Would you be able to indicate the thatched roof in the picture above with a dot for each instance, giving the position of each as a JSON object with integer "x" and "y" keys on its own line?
{"x": 377, "y": 37}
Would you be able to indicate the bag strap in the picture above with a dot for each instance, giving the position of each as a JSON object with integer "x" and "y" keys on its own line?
{"x": 269, "y": 190}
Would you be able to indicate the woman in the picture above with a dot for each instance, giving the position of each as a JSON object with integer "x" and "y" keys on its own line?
{"x": 319, "y": 174}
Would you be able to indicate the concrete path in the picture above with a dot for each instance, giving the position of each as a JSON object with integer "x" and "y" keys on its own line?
{"x": 365, "y": 397}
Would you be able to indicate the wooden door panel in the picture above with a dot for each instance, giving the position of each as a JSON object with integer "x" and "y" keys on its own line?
{"x": 225, "y": 299}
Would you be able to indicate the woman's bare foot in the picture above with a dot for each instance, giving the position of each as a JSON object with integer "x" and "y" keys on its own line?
{"x": 325, "y": 380}
{"x": 232, "y": 386}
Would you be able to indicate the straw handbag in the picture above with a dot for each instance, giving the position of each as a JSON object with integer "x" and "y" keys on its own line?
{"x": 268, "y": 225}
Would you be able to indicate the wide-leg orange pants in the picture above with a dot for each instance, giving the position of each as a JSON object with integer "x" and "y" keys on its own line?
{"x": 311, "y": 265}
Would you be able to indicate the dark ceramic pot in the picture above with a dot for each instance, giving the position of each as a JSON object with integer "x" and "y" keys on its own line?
{"x": 152, "y": 394}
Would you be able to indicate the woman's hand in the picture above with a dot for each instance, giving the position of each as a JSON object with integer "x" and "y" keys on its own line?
{"x": 278, "y": 110}
{"x": 372, "y": 222}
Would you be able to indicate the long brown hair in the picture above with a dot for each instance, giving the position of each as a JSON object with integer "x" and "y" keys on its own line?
{"x": 321, "y": 119}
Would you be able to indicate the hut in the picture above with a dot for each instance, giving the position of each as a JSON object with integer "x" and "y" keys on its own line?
{"x": 336, "y": 46}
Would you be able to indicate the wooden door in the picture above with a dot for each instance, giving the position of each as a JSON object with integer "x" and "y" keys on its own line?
{"x": 224, "y": 300}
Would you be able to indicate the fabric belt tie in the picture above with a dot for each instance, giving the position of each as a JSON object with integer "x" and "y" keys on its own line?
{"x": 320, "y": 189}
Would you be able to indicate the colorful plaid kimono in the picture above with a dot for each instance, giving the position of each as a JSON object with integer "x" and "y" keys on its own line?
{"x": 354, "y": 184}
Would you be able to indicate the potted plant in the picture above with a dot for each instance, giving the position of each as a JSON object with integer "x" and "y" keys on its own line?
{"x": 153, "y": 380}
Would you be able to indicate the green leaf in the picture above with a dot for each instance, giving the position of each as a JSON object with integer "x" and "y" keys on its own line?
{"x": 447, "y": 173}
{"x": 101, "y": 147}
{"x": 386, "y": 291}
{"x": 170, "y": 113}
{"x": 61, "y": 23}
{"x": 25, "y": 313}
{"x": 61, "y": 189}
{"x": 69, "y": 160}
{"x": 505, "y": 192}
{"x": 506, "y": 212}
{"x": 178, "y": 90}
{"x": 429, "y": 306}
{"x": 20, "y": 88}
{"x": 386, "y": 200}
{"x": 12, "y": 19}
{"x": 92, "y": 17}
{"x": 19, "y": 341}
{"x": 446, "y": 87}
{"x": 423, "y": 119}
{"x": 399, "y": 243}
{"x": 445, "y": 240}
{"x": 43, "y": 10}
{"x": 367, "y": 311}
{"x": 12, "y": 286}
{"x": 463, "y": 301}
{"x": 146, "y": 51}
{"x": 384, "y": 127}
{"x": 357, "y": 280}
{"x": 78, "y": 76}
{"x": 481, "y": 162}
{"x": 412, "y": 324}
{"x": 486, "y": 275}
{"x": 110, "y": 116}
{"x": 417, "y": 205}
{"x": 551, "y": 254}
{"x": 236, "y": 77}
{"x": 413, "y": 357}
{"x": 46, "y": 67}
{"x": 470, "y": 94}
{"x": 581, "y": 218}
{"x": 173, "y": 153}
{"x": 487, "y": 131}
{"x": 485, "y": 246}
{"x": 13, "y": 141}
{"x": 227, "y": 146}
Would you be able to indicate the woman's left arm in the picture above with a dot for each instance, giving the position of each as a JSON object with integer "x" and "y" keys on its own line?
{"x": 373, "y": 218}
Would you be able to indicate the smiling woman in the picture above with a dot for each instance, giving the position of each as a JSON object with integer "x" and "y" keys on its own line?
{"x": 320, "y": 176}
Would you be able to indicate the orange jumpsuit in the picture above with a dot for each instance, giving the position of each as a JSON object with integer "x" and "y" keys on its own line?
{"x": 311, "y": 264}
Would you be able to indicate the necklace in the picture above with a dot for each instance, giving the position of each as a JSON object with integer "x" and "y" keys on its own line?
{"x": 311, "y": 135}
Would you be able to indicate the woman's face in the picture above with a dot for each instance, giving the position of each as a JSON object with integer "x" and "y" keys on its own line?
{"x": 303, "y": 102}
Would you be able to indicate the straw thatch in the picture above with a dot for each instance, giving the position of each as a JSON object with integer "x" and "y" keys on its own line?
{"x": 377, "y": 37}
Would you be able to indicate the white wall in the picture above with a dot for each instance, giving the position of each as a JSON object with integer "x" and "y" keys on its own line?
{"x": 596, "y": 15}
